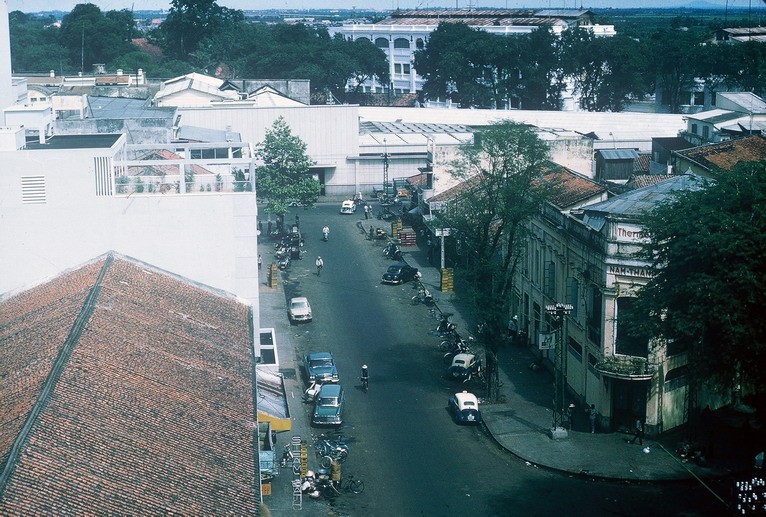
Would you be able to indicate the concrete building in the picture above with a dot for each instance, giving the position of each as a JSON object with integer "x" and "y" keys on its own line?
{"x": 584, "y": 255}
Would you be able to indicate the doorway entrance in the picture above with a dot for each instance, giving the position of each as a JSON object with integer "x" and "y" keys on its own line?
{"x": 628, "y": 403}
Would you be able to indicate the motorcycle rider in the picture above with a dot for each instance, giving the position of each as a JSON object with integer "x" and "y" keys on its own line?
{"x": 365, "y": 377}
{"x": 320, "y": 265}
{"x": 326, "y": 232}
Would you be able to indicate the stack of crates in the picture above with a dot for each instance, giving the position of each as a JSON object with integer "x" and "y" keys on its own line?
{"x": 408, "y": 237}
{"x": 448, "y": 280}
{"x": 396, "y": 227}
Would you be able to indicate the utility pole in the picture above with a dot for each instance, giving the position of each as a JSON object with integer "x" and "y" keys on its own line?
{"x": 559, "y": 311}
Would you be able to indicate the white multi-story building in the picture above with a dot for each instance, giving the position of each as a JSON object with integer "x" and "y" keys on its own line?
{"x": 403, "y": 32}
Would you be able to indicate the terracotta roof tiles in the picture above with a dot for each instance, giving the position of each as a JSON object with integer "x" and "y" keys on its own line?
{"x": 153, "y": 410}
{"x": 725, "y": 155}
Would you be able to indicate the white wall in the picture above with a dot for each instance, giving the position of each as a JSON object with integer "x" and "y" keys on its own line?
{"x": 208, "y": 237}
{"x": 331, "y": 133}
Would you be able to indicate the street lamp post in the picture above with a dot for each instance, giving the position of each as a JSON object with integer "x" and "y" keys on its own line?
{"x": 559, "y": 311}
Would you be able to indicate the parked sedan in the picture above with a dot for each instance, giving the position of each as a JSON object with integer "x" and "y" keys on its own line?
{"x": 300, "y": 309}
{"x": 330, "y": 402}
{"x": 320, "y": 367}
{"x": 348, "y": 207}
{"x": 464, "y": 408}
{"x": 399, "y": 274}
{"x": 463, "y": 367}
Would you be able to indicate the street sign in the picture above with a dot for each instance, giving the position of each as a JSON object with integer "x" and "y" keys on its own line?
{"x": 547, "y": 340}
{"x": 443, "y": 232}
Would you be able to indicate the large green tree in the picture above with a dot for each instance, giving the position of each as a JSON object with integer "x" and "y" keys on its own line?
{"x": 92, "y": 36}
{"x": 503, "y": 187}
{"x": 35, "y": 45}
{"x": 607, "y": 72}
{"x": 542, "y": 79}
{"x": 284, "y": 175}
{"x": 708, "y": 247}
{"x": 190, "y": 21}
{"x": 675, "y": 54}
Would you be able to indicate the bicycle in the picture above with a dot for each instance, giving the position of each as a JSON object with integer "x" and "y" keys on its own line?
{"x": 365, "y": 384}
{"x": 349, "y": 484}
{"x": 330, "y": 450}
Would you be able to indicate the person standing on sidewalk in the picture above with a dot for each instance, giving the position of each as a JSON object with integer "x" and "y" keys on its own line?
{"x": 592, "y": 418}
{"x": 260, "y": 262}
{"x": 639, "y": 432}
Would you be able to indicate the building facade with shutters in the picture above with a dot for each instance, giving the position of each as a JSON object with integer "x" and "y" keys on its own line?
{"x": 584, "y": 255}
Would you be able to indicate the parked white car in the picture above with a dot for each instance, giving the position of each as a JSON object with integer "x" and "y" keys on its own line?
{"x": 300, "y": 310}
{"x": 348, "y": 207}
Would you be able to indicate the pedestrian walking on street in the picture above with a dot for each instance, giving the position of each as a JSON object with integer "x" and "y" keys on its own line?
{"x": 639, "y": 432}
{"x": 320, "y": 265}
{"x": 260, "y": 227}
{"x": 260, "y": 262}
{"x": 513, "y": 328}
{"x": 366, "y": 211}
{"x": 592, "y": 417}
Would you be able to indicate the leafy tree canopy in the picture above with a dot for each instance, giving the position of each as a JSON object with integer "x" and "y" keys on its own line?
{"x": 607, "y": 72}
{"x": 284, "y": 175}
{"x": 92, "y": 36}
{"x": 708, "y": 247}
{"x": 503, "y": 186}
{"x": 190, "y": 21}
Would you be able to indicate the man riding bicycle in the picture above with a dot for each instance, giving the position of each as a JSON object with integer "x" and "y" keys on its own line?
{"x": 326, "y": 232}
{"x": 320, "y": 265}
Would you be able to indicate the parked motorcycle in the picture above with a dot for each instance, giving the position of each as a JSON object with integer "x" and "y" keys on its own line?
{"x": 392, "y": 251}
{"x": 459, "y": 346}
{"x": 423, "y": 296}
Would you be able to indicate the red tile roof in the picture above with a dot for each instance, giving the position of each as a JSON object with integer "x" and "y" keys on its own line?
{"x": 572, "y": 188}
{"x": 151, "y": 409}
{"x": 725, "y": 155}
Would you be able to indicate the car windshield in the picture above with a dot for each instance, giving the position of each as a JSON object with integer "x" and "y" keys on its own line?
{"x": 318, "y": 363}
{"x": 468, "y": 403}
{"x": 300, "y": 305}
{"x": 459, "y": 362}
{"x": 328, "y": 401}
{"x": 394, "y": 269}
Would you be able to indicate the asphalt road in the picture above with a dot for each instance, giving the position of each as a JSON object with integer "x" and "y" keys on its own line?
{"x": 412, "y": 458}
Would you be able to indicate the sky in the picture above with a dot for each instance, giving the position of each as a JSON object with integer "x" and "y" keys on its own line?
{"x": 31, "y": 6}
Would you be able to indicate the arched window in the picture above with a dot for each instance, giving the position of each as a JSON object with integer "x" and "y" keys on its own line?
{"x": 676, "y": 378}
{"x": 363, "y": 38}
{"x": 419, "y": 44}
{"x": 401, "y": 43}
{"x": 381, "y": 42}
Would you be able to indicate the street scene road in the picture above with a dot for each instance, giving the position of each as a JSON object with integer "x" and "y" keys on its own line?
{"x": 413, "y": 459}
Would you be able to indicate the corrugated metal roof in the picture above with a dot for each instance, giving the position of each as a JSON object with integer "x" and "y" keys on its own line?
{"x": 625, "y": 126}
{"x": 748, "y": 101}
{"x": 120, "y": 108}
{"x": 714, "y": 116}
{"x": 636, "y": 203}
{"x": 619, "y": 154}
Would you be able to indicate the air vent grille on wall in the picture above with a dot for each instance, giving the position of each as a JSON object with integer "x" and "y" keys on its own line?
{"x": 33, "y": 189}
